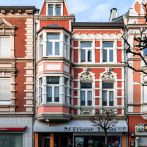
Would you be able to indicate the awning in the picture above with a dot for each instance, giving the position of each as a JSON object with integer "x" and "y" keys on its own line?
{"x": 77, "y": 126}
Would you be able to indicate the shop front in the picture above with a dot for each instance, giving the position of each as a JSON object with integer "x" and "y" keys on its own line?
{"x": 16, "y": 131}
{"x": 78, "y": 133}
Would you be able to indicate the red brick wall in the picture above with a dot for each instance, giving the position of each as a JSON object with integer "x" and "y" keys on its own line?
{"x": 20, "y": 87}
{"x": 19, "y": 36}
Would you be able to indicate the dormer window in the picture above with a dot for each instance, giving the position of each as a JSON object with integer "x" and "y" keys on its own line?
{"x": 54, "y": 9}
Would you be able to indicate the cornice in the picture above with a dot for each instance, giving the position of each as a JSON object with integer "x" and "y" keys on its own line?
{"x": 72, "y": 17}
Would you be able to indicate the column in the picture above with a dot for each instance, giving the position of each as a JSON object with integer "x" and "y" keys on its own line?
{"x": 51, "y": 139}
{"x": 36, "y": 140}
{"x": 124, "y": 140}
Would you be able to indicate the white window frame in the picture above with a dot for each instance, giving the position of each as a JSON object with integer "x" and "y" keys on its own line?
{"x": 107, "y": 91}
{"x": 86, "y": 90}
{"x": 54, "y": 8}
{"x": 86, "y": 52}
{"x": 108, "y": 51}
{"x": 67, "y": 53}
{"x": 53, "y": 91}
{"x": 6, "y": 101}
{"x": 40, "y": 44}
{"x": 10, "y": 55}
{"x": 53, "y": 43}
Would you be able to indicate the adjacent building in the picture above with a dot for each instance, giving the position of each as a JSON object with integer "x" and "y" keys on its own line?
{"x": 16, "y": 75}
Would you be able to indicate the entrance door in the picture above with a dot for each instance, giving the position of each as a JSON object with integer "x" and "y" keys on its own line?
{"x": 44, "y": 140}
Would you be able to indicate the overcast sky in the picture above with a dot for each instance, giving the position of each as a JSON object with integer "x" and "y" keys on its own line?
{"x": 84, "y": 10}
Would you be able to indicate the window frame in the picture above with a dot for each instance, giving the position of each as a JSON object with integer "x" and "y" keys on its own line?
{"x": 53, "y": 86}
{"x": 67, "y": 46}
{"x": 3, "y": 101}
{"x": 10, "y": 43}
{"x": 86, "y": 90}
{"x": 108, "y": 90}
{"x": 53, "y": 41}
{"x": 54, "y": 9}
{"x": 108, "y": 52}
{"x": 86, "y": 52}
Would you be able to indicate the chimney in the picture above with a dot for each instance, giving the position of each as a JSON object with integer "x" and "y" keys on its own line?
{"x": 113, "y": 14}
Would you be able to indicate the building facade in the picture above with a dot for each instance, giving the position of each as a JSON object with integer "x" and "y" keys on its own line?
{"x": 136, "y": 93}
{"x": 79, "y": 70}
{"x": 55, "y": 73}
{"x": 16, "y": 76}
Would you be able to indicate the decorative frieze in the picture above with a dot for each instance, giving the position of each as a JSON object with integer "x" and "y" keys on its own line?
{"x": 98, "y": 36}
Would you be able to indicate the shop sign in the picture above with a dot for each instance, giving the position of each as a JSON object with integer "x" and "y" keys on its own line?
{"x": 141, "y": 128}
{"x": 93, "y": 129}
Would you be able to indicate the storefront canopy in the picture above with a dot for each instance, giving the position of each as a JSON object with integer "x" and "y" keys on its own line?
{"x": 77, "y": 126}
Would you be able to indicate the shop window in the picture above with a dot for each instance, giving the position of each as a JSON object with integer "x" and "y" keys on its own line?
{"x": 86, "y": 94}
{"x": 5, "y": 46}
{"x": 108, "y": 51}
{"x": 52, "y": 89}
{"x": 5, "y": 90}
{"x": 54, "y": 9}
{"x": 53, "y": 44}
{"x": 11, "y": 140}
{"x": 107, "y": 94}
{"x": 86, "y": 51}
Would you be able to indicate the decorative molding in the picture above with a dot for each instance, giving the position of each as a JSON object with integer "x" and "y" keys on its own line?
{"x": 98, "y": 36}
{"x": 108, "y": 74}
{"x": 86, "y": 76}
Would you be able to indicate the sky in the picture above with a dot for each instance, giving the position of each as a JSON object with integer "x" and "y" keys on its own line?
{"x": 84, "y": 10}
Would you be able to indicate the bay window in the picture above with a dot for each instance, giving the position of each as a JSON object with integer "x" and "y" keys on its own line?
{"x": 5, "y": 46}
{"x": 52, "y": 89}
{"x": 53, "y": 44}
{"x": 86, "y": 51}
{"x": 108, "y": 51}
{"x": 107, "y": 93}
{"x": 54, "y": 10}
{"x": 86, "y": 94}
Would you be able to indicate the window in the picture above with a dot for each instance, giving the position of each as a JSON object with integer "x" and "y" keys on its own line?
{"x": 107, "y": 94}
{"x": 86, "y": 94}
{"x": 5, "y": 89}
{"x": 58, "y": 9}
{"x": 66, "y": 47}
{"x": 86, "y": 51}
{"x": 40, "y": 90}
{"x": 54, "y": 9}
{"x": 53, "y": 44}
{"x": 52, "y": 89}
{"x": 66, "y": 90}
{"x": 5, "y": 46}
{"x": 11, "y": 139}
{"x": 145, "y": 51}
{"x": 50, "y": 10}
{"x": 41, "y": 45}
{"x": 108, "y": 51}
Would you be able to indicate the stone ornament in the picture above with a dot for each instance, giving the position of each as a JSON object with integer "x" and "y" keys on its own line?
{"x": 86, "y": 76}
